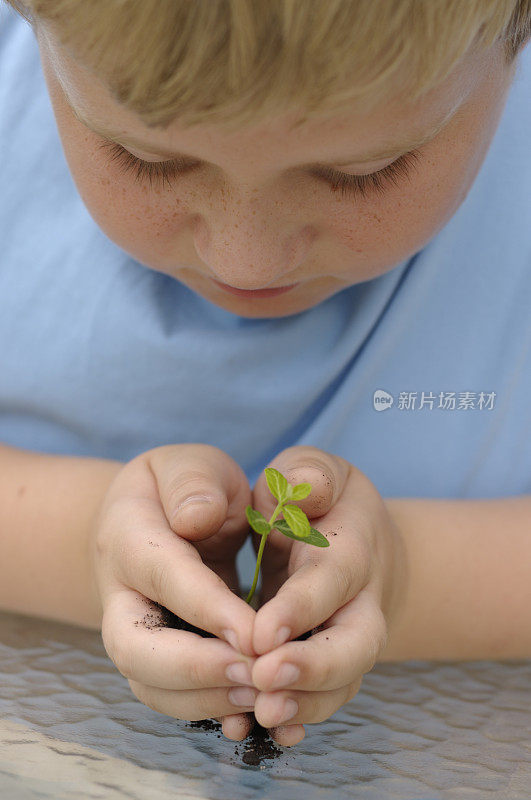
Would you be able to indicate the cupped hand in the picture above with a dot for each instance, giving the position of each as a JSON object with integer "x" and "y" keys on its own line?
{"x": 149, "y": 545}
{"x": 350, "y": 590}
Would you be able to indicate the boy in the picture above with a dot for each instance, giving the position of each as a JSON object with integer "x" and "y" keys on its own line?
{"x": 313, "y": 212}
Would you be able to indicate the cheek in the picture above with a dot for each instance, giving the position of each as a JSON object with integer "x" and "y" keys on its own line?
{"x": 130, "y": 213}
{"x": 388, "y": 228}
{"x": 127, "y": 212}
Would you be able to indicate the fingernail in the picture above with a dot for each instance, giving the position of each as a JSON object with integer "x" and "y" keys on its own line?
{"x": 197, "y": 499}
{"x": 282, "y": 636}
{"x": 287, "y": 674}
{"x": 239, "y": 673}
{"x": 290, "y": 709}
{"x": 242, "y": 696}
{"x": 232, "y": 639}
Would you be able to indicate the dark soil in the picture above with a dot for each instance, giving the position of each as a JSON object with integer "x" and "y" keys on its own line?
{"x": 258, "y": 745}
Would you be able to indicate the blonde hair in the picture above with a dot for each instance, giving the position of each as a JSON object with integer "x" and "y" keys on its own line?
{"x": 234, "y": 62}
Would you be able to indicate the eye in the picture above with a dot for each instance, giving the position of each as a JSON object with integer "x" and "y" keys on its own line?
{"x": 154, "y": 171}
{"x": 375, "y": 182}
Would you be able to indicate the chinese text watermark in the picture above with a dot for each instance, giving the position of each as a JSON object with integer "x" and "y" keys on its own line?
{"x": 446, "y": 401}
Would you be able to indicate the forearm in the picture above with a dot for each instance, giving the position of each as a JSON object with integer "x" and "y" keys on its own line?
{"x": 48, "y": 504}
{"x": 466, "y": 588}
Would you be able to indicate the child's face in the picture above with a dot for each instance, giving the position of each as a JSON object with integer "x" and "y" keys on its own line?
{"x": 255, "y": 208}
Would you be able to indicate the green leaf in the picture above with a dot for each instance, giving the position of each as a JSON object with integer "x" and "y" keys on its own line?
{"x": 277, "y": 483}
{"x": 315, "y": 536}
{"x": 282, "y": 526}
{"x": 257, "y": 521}
{"x": 299, "y": 492}
{"x": 297, "y": 520}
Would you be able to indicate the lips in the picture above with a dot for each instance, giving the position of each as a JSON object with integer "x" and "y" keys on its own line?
{"x": 255, "y": 292}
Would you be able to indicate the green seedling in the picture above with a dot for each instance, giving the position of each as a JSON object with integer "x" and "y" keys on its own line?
{"x": 295, "y": 524}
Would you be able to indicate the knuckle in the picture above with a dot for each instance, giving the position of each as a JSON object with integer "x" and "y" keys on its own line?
{"x": 196, "y": 673}
{"x": 159, "y": 580}
{"x": 343, "y": 583}
{"x": 297, "y": 452}
{"x": 305, "y": 457}
{"x": 194, "y": 481}
{"x": 324, "y": 680}
{"x": 207, "y": 705}
{"x": 307, "y": 453}
{"x": 179, "y": 454}
{"x": 321, "y": 709}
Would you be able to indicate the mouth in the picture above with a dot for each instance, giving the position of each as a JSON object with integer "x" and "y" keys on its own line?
{"x": 255, "y": 292}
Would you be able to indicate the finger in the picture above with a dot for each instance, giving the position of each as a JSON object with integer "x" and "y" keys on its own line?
{"x": 326, "y": 473}
{"x": 322, "y": 580}
{"x": 143, "y": 649}
{"x": 347, "y": 647}
{"x": 287, "y": 735}
{"x": 237, "y": 726}
{"x": 173, "y": 573}
{"x": 215, "y": 520}
{"x": 300, "y": 464}
{"x": 196, "y": 703}
{"x": 275, "y": 708}
{"x": 213, "y": 478}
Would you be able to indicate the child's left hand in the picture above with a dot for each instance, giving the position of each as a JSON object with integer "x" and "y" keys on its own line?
{"x": 350, "y": 589}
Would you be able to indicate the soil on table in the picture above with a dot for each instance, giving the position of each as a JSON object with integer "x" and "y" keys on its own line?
{"x": 257, "y": 745}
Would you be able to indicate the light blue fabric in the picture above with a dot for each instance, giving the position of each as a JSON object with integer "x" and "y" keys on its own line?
{"x": 101, "y": 356}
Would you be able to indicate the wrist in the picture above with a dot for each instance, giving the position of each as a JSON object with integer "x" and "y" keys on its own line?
{"x": 111, "y": 470}
{"x": 395, "y": 586}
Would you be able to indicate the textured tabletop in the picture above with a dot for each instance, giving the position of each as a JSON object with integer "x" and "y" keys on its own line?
{"x": 71, "y": 728}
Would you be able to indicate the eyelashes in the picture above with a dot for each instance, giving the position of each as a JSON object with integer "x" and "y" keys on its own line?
{"x": 154, "y": 171}
{"x": 375, "y": 182}
{"x": 362, "y": 185}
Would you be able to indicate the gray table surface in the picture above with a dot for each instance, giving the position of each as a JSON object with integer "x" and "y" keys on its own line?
{"x": 71, "y": 728}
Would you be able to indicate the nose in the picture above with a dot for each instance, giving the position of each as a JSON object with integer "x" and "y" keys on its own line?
{"x": 249, "y": 244}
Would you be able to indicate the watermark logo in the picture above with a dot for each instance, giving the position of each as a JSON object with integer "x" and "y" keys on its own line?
{"x": 445, "y": 401}
{"x": 382, "y": 400}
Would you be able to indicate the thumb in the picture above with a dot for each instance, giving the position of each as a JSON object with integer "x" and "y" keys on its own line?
{"x": 325, "y": 472}
{"x": 203, "y": 492}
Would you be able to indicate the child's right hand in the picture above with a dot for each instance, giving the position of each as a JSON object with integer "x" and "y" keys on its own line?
{"x": 144, "y": 549}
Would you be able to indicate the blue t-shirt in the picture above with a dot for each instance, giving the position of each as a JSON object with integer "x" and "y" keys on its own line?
{"x": 420, "y": 377}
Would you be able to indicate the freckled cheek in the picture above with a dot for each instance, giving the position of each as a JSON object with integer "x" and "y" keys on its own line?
{"x": 436, "y": 194}
{"x": 132, "y": 215}
{"x": 400, "y": 222}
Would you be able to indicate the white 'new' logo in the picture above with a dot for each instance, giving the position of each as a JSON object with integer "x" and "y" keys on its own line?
{"x": 382, "y": 400}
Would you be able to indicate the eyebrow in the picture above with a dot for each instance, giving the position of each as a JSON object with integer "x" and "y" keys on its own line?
{"x": 390, "y": 150}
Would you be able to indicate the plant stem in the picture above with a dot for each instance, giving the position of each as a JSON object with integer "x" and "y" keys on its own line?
{"x": 260, "y": 551}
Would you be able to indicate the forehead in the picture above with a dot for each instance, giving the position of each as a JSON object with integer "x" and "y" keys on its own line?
{"x": 355, "y": 132}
